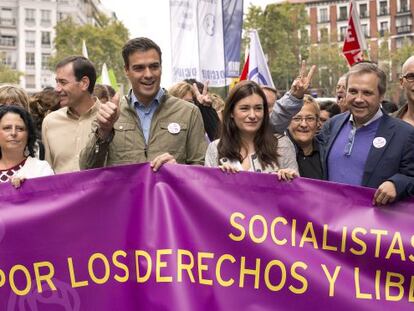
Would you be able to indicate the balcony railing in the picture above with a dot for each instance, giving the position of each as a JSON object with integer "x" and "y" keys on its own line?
{"x": 342, "y": 17}
{"x": 404, "y": 29}
{"x": 8, "y": 21}
{"x": 7, "y": 41}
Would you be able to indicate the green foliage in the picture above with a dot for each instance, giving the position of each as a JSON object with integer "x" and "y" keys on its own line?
{"x": 402, "y": 54}
{"x": 279, "y": 26}
{"x": 104, "y": 43}
{"x": 331, "y": 65}
{"x": 8, "y": 75}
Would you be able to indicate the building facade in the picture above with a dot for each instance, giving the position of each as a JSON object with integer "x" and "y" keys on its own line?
{"x": 381, "y": 20}
{"x": 27, "y": 32}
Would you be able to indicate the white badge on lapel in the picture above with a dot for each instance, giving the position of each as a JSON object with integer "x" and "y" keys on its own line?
{"x": 379, "y": 142}
{"x": 174, "y": 128}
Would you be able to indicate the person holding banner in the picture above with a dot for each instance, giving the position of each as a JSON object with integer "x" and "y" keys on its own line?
{"x": 148, "y": 124}
{"x": 246, "y": 142}
{"x": 365, "y": 146}
{"x": 17, "y": 142}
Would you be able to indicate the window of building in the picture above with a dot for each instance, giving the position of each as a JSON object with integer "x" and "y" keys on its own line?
{"x": 8, "y": 41}
{"x": 403, "y": 24}
{"x": 45, "y": 16}
{"x": 30, "y": 59}
{"x": 8, "y": 59}
{"x": 45, "y": 39}
{"x": 30, "y": 41}
{"x": 383, "y": 28}
{"x": 364, "y": 29}
{"x": 30, "y": 81}
{"x": 7, "y": 17}
{"x": 30, "y": 16}
{"x": 343, "y": 13}
{"x": 404, "y": 6}
{"x": 342, "y": 33}
{"x": 363, "y": 10}
{"x": 323, "y": 35}
{"x": 45, "y": 60}
{"x": 383, "y": 8}
{"x": 323, "y": 15}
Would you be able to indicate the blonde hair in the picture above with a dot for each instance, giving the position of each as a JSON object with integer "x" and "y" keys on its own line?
{"x": 309, "y": 100}
{"x": 180, "y": 89}
{"x": 218, "y": 102}
{"x": 14, "y": 95}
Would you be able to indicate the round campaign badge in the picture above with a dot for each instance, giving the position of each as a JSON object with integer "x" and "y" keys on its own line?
{"x": 174, "y": 128}
{"x": 379, "y": 142}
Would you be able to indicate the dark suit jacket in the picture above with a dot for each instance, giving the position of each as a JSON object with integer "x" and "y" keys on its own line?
{"x": 393, "y": 162}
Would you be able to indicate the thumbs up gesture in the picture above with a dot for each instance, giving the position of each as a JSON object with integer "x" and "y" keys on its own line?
{"x": 108, "y": 114}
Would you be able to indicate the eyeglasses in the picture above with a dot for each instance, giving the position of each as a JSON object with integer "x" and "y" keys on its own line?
{"x": 308, "y": 120}
{"x": 350, "y": 143}
{"x": 409, "y": 77}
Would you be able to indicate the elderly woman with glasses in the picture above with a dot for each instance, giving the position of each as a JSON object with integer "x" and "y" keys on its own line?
{"x": 302, "y": 130}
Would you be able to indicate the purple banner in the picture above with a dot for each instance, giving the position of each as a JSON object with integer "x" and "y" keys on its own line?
{"x": 193, "y": 238}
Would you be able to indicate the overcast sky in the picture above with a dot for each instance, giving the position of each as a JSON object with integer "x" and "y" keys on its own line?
{"x": 150, "y": 18}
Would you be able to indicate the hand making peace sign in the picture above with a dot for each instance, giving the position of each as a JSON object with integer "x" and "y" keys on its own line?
{"x": 302, "y": 82}
{"x": 203, "y": 98}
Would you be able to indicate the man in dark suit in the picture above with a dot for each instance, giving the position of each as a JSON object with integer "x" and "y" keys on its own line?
{"x": 365, "y": 146}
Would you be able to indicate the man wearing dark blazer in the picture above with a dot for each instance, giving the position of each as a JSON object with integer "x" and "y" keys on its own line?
{"x": 365, "y": 146}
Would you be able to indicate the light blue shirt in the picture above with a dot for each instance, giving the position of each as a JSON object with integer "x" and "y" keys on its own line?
{"x": 145, "y": 113}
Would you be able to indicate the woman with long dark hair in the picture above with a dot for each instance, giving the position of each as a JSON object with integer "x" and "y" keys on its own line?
{"x": 246, "y": 141}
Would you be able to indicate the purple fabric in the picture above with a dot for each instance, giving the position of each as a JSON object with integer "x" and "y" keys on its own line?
{"x": 181, "y": 207}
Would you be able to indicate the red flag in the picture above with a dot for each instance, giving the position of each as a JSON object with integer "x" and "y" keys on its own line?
{"x": 245, "y": 70}
{"x": 354, "y": 43}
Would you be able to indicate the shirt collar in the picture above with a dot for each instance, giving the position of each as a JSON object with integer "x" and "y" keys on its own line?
{"x": 134, "y": 100}
{"x": 376, "y": 116}
{"x": 91, "y": 110}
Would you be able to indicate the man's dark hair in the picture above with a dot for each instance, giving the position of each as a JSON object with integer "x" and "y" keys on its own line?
{"x": 28, "y": 122}
{"x": 81, "y": 67}
{"x": 141, "y": 44}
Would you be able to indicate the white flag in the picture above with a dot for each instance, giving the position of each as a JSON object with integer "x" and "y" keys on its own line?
{"x": 105, "y": 75}
{"x": 258, "y": 70}
{"x": 211, "y": 43}
{"x": 84, "y": 50}
{"x": 201, "y": 47}
{"x": 184, "y": 40}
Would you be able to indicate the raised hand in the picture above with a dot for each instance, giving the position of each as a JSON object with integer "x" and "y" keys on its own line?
{"x": 302, "y": 82}
{"x": 107, "y": 115}
{"x": 203, "y": 98}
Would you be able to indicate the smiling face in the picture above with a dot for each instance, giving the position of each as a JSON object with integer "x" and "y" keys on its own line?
{"x": 304, "y": 125}
{"x": 144, "y": 73}
{"x": 69, "y": 90}
{"x": 248, "y": 114}
{"x": 363, "y": 97}
{"x": 13, "y": 133}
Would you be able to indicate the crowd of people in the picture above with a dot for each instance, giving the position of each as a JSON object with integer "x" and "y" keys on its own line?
{"x": 81, "y": 125}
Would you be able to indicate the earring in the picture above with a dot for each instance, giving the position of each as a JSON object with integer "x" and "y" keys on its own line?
{"x": 26, "y": 152}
